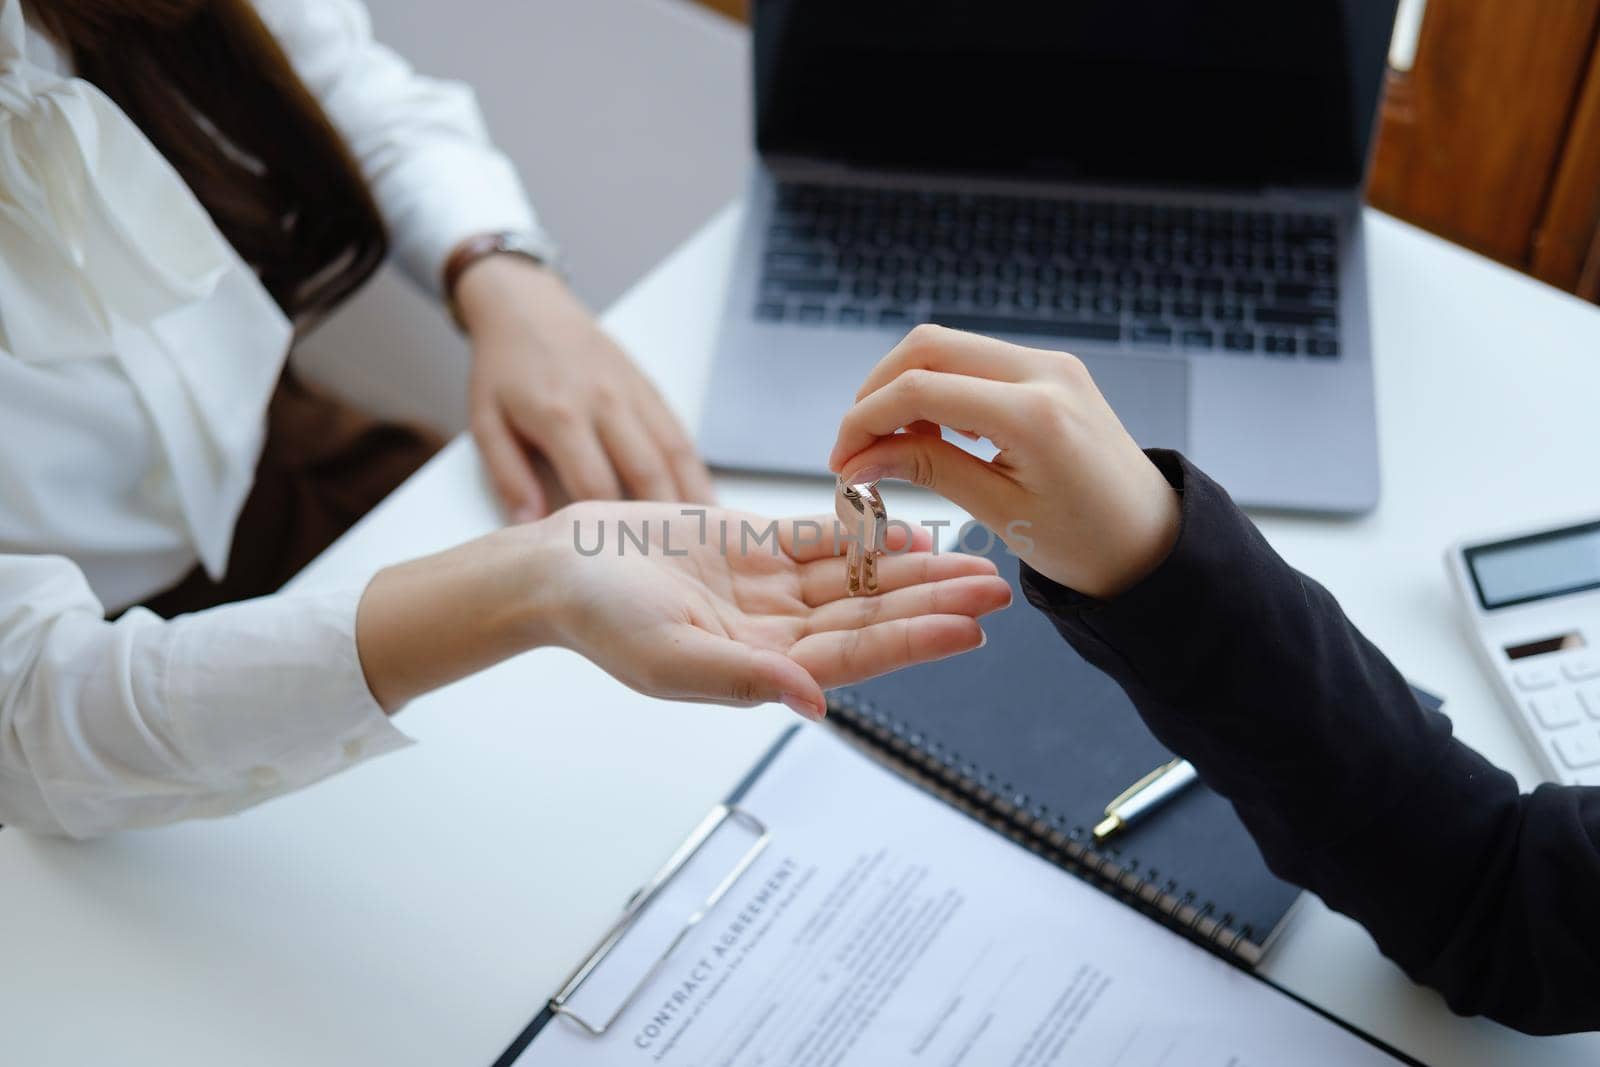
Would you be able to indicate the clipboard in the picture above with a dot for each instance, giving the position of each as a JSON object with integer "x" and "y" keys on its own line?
{"x": 858, "y": 786}
{"x": 728, "y": 812}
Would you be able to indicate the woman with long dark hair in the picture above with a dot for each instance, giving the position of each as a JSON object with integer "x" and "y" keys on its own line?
{"x": 187, "y": 186}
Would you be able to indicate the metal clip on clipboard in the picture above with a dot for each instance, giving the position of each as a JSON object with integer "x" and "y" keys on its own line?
{"x": 721, "y": 815}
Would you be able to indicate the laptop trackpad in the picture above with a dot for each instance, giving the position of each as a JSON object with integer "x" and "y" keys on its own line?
{"x": 1150, "y": 396}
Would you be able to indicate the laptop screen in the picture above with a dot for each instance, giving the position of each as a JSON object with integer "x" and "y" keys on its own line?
{"x": 1185, "y": 92}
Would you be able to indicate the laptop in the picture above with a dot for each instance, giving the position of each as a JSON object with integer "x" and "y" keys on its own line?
{"x": 1169, "y": 189}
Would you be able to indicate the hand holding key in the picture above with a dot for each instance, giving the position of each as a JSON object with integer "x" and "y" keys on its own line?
{"x": 1099, "y": 515}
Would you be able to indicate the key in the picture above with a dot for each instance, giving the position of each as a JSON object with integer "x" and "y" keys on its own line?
{"x": 861, "y": 512}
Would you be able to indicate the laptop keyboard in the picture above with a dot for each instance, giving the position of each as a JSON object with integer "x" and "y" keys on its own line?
{"x": 1143, "y": 276}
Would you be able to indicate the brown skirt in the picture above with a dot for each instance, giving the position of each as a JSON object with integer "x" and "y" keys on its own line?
{"x": 324, "y": 465}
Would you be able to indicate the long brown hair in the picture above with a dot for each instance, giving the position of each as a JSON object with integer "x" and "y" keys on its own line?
{"x": 208, "y": 84}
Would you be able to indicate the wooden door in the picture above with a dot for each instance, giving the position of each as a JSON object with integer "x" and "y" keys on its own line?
{"x": 737, "y": 9}
{"x": 1492, "y": 138}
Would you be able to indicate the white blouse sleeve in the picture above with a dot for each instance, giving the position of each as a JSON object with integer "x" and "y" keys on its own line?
{"x": 107, "y": 725}
{"x": 420, "y": 141}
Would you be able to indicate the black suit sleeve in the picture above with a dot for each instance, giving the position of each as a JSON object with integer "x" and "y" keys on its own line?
{"x": 1352, "y": 790}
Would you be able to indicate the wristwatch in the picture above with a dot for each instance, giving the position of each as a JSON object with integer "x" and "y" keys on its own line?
{"x": 537, "y": 247}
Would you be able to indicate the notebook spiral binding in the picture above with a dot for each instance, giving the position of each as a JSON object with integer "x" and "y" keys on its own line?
{"x": 886, "y": 739}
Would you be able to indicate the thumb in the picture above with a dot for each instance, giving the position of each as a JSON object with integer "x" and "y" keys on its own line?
{"x": 935, "y": 464}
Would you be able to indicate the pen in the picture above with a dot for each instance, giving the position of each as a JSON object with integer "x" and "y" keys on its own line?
{"x": 1144, "y": 796}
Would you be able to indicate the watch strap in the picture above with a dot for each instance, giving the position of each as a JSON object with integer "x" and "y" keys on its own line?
{"x": 480, "y": 247}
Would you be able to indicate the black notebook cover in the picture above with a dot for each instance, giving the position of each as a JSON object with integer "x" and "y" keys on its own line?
{"x": 1030, "y": 738}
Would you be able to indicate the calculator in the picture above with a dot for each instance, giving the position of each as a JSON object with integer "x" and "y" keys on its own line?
{"x": 1532, "y": 603}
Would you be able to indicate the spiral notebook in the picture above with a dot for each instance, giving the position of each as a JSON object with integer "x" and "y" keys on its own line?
{"x": 1030, "y": 739}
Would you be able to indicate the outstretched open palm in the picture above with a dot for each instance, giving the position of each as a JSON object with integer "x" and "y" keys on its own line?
{"x": 720, "y": 606}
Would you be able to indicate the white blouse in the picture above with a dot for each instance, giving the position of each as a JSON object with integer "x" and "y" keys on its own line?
{"x": 137, "y": 357}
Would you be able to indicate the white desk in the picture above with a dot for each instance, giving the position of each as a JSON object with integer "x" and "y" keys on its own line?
{"x": 419, "y": 909}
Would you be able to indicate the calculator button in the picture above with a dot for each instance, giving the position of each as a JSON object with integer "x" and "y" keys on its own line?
{"x": 1589, "y": 697}
{"x": 1555, "y": 710}
{"x": 1579, "y": 749}
{"x": 1532, "y": 679}
{"x": 1579, "y": 668}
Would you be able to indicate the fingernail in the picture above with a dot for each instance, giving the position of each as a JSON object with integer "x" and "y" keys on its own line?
{"x": 867, "y": 474}
{"x": 803, "y": 707}
{"x": 522, "y": 515}
{"x": 983, "y": 638}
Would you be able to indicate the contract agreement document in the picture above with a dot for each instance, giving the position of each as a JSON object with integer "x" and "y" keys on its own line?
{"x": 878, "y": 926}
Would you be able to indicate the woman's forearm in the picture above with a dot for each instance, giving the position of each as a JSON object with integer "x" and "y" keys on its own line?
{"x": 1348, "y": 785}
{"x": 137, "y": 722}
{"x": 432, "y": 621}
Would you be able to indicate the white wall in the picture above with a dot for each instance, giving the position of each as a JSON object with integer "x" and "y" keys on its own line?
{"x": 629, "y": 122}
